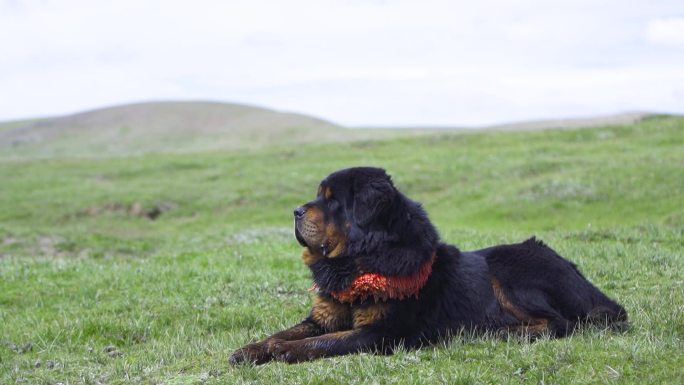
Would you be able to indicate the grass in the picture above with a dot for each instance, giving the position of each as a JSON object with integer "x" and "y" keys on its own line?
{"x": 91, "y": 291}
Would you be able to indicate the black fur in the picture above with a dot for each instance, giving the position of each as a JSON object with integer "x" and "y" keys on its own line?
{"x": 524, "y": 287}
{"x": 394, "y": 236}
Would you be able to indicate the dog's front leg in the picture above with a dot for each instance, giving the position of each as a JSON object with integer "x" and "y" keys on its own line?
{"x": 332, "y": 344}
{"x": 326, "y": 316}
{"x": 365, "y": 336}
{"x": 257, "y": 352}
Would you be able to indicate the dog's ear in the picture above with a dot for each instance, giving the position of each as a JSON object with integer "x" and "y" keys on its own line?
{"x": 371, "y": 198}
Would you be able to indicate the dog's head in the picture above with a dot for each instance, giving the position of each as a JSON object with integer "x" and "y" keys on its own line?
{"x": 358, "y": 211}
{"x": 347, "y": 201}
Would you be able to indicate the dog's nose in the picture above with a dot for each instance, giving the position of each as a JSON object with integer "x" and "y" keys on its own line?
{"x": 299, "y": 212}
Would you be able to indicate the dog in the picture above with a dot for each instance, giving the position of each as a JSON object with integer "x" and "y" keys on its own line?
{"x": 384, "y": 279}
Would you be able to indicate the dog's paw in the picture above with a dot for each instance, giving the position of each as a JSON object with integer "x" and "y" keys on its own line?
{"x": 256, "y": 353}
{"x": 291, "y": 351}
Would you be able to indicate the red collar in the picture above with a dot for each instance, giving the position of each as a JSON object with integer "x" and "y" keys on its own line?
{"x": 382, "y": 288}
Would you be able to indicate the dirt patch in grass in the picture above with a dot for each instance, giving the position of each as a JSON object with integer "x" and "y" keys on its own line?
{"x": 135, "y": 209}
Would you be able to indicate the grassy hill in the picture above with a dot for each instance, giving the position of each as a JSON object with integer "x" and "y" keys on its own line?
{"x": 94, "y": 288}
{"x": 195, "y": 126}
{"x": 10, "y": 125}
{"x": 165, "y": 127}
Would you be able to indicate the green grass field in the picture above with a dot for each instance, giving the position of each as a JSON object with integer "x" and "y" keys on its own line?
{"x": 92, "y": 291}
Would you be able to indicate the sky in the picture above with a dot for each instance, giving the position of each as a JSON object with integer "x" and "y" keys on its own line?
{"x": 353, "y": 62}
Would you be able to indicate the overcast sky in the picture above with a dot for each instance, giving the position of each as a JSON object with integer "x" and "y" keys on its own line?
{"x": 354, "y": 62}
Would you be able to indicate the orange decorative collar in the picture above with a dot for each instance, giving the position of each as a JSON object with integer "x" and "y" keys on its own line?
{"x": 382, "y": 288}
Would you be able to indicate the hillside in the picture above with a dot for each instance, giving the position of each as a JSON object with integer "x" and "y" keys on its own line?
{"x": 163, "y": 127}
{"x": 12, "y": 124}
{"x": 571, "y": 123}
{"x": 195, "y": 126}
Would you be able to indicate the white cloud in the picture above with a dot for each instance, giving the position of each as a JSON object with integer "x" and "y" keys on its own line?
{"x": 666, "y": 31}
{"x": 355, "y": 62}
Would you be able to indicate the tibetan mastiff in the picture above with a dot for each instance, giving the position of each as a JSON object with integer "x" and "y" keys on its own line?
{"x": 384, "y": 279}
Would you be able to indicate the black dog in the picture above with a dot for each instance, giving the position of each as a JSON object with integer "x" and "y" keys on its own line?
{"x": 384, "y": 279}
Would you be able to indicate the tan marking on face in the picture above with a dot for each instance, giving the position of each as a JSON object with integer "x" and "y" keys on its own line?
{"x": 370, "y": 314}
{"x": 328, "y": 193}
{"x": 335, "y": 240}
{"x": 308, "y": 258}
{"x": 318, "y": 235}
{"x": 311, "y": 227}
{"x": 313, "y": 214}
{"x": 330, "y": 314}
